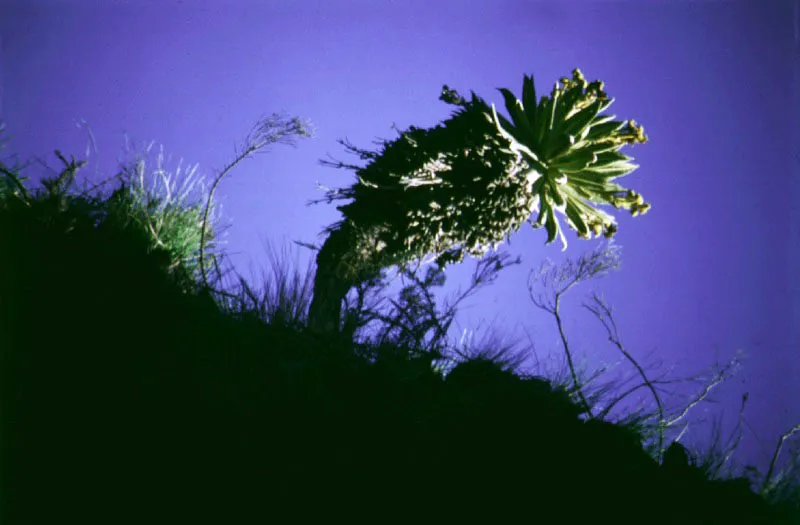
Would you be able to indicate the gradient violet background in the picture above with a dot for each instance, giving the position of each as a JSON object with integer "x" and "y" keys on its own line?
{"x": 711, "y": 269}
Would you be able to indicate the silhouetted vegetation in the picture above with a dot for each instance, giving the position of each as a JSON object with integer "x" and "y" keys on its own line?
{"x": 133, "y": 391}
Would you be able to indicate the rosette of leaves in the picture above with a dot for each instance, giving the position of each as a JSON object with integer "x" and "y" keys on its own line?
{"x": 572, "y": 152}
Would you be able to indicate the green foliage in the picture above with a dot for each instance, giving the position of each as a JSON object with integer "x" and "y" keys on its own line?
{"x": 448, "y": 190}
{"x": 573, "y": 154}
{"x": 169, "y": 211}
{"x": 464, "y": 185}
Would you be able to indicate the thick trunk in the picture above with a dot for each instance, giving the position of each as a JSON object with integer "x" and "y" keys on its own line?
{"x": 330, "y": 285}
{"x": 324, "y": 314}
{"x": 346, "y": 259}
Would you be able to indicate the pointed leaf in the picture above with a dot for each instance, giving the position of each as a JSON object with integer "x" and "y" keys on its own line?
{"x": 605, "y": 104}
{"x": 604, "y": 130}
{"x": 613, "y": 170}
{"x": 576, "y": 124}
{"x": 593, "y": 182}
{"x": 509, "y": 127}
{"x": 549, "y": 137}
{"x": 566, "y": 104}
{"x": 516, "y": 144}
{"x": 596, "y": 191}
{"x": 602, "y": 119}
{"x": 600, "y": 147}
{"x": 607, "y": 157}
{"x": 560, "y": 109}
{"x": 542, "y": 113}
{"x": 574, "y": 161}
{"x": 514, "y": 108}
{"x": 550, "y": 225}
{"x": 529, "y": 98}
{"x": 556, "y": 101}
{"x": 584, "y": 191}
{"x": 555, "y": 193}
{"x": 540, "y": 220}
{"x": 594, "y": 194}
{"x": 575, "y": 217}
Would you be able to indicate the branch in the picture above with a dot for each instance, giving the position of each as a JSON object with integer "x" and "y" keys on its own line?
{"x": 596, "y": 263}
{"x": 267, "y": 131}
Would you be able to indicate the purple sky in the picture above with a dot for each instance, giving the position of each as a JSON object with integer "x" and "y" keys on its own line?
{"x": 709, "y": 270}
